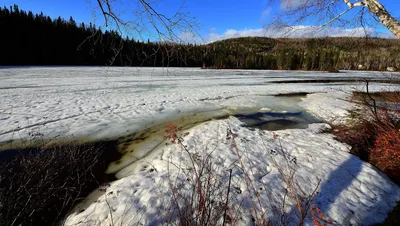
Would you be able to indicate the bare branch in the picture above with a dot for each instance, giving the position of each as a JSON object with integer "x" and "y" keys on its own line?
{"x": 296, "y": 13}
{"x": 146, "y": 19}
{"x": 338, "y": 16}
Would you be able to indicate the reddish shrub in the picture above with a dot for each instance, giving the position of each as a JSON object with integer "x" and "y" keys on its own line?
{"x": 318, "y": 217}
{"x": 171, "y": 133}
{"x": 374, "y": 134}
{"x": 386, "y": 153}
{"x": 360, "y": 136}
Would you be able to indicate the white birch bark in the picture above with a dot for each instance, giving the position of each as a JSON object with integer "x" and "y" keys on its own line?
{"x": 383, "y": 16}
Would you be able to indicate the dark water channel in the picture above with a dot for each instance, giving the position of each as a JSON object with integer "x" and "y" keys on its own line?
{"x": 276, "y": 113}
{"x": 273, "y": 121}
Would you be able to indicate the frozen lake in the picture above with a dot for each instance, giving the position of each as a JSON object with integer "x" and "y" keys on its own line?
{"x": 271, "y": 115}
{"x": 99, "y": 102}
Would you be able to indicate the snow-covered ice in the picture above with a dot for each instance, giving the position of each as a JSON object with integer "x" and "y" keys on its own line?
{"x": 98, "y": 103}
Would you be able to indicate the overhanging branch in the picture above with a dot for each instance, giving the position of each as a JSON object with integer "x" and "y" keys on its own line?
{"x": 350, "y": 5}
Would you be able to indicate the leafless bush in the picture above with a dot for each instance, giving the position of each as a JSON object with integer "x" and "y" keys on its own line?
{"x": 296, "y": 205}
{"x": 40, "y": 185}
{"x": 202, "y": 196}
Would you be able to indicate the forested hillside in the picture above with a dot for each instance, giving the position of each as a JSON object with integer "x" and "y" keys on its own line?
{"x": 36, "y": 39}
{"x": 304, "y": 54}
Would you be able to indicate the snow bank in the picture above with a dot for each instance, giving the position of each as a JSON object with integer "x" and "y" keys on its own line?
{"x": 351, "y": 191}
{"x": 332, "y": 107}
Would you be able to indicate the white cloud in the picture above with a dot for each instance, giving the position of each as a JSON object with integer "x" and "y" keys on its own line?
{"x": 189, "y": 37}
{"x": 290, "y": 4}
{"x": 232, "y": 33}
{"x": 295, "y": 32}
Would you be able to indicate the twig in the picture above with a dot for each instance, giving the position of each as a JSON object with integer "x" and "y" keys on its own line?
{"x": 227, "y": 195}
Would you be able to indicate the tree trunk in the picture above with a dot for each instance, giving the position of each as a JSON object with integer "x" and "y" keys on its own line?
{"x": 384, "y": 16}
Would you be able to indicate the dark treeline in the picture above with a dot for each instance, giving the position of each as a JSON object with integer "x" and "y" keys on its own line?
{"x": 36, "y": 39}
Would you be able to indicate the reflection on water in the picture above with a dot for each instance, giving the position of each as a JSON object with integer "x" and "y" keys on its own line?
{"x": 278, "y": 120}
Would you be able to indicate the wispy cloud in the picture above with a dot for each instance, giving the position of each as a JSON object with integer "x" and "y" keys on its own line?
{"x": 295, "y": 32}
{"x": 190, "y": 37}
{"x": 290, "y": 4}
{"x": 232, "y": 33}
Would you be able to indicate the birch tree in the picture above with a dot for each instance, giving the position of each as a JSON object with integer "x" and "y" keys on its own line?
{"x": 343, "y": 12}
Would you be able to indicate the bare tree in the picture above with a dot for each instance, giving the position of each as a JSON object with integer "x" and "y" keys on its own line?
{"x": 343, "y": 12}
{"x": 144, "y": 19}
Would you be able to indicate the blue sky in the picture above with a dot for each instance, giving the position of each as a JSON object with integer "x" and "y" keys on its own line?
{"x": 218, "y": 19}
